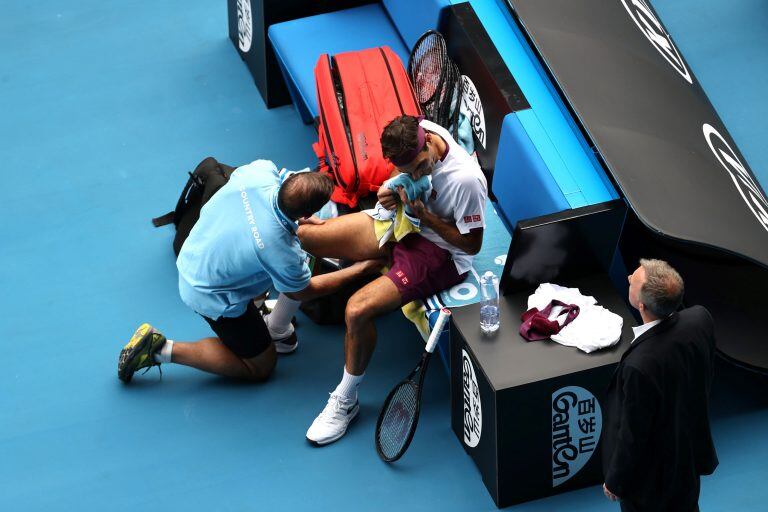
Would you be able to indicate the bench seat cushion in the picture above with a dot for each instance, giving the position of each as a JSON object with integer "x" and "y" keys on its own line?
{"x": 299, "y": 43}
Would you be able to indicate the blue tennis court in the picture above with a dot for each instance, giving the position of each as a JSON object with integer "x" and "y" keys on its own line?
{"x": 104, "y": 107}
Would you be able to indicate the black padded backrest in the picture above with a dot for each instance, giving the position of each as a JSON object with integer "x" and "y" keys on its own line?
{"x": 563, "y": 246}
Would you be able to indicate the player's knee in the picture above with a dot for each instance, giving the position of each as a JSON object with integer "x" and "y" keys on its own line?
{"x": 305, "y": 234}
{"x": 358, "y": 310}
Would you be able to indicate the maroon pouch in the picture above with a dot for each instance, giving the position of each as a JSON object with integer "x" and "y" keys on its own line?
{"x": 537, "y": 325}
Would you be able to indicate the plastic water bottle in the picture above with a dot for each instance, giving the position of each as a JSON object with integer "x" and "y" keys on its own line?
{"x": 489, "y": 308}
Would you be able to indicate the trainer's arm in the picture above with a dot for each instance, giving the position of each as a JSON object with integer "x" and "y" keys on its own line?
{"x": 470, "y": 242}
{"x": 326, "y": 284}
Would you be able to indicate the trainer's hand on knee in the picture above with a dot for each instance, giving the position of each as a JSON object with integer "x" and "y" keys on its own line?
{"x": 386, "y": 196}
{"x": 314, "y": 220}
{"x": 366, "y": 267}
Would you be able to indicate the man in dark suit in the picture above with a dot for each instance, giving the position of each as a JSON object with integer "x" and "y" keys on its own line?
{"x": 656, "y": 436}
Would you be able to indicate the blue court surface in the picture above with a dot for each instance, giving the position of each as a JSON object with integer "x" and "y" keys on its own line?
{"x": 104, "y": 107}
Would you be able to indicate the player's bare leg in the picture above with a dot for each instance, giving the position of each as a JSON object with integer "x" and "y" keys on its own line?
{"x": 373, "y": 300}
{"x": 363, "y": 307}
{"x": 349, "y": 237}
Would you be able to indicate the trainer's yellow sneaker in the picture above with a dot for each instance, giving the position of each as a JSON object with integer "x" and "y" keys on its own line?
{"x": 138, "y": 352}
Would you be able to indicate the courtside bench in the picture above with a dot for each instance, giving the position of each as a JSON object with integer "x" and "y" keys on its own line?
{"x": 535, "y": 156}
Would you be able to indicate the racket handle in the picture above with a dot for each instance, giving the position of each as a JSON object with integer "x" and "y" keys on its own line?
{"x": 445, "y": 313}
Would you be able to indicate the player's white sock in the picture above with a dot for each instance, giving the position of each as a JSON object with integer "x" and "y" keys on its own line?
{"x": 164, "y": 354}
{"x": 348, "y": 385}
{"x": 279, "y": 320}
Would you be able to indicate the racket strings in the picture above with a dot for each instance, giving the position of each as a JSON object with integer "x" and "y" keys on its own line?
{"x": 397, "y": 420}
{"x": 437, "y": 81}
{"x": 426, "y": 66}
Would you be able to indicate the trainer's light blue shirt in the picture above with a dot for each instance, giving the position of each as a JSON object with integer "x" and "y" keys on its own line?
{"x": 241, "y": 245}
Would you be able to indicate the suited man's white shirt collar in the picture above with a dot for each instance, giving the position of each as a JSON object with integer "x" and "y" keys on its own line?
{"x": 640, "y": 329}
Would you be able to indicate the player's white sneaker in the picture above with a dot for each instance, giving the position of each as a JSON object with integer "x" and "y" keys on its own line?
{"x": 332, "y": 423}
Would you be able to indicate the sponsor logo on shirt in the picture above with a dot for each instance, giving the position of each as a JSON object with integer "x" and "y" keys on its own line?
{"x": 651, "y": 28}
{"x": 742, "y": 179}
{"x": 473, "y": 409}
{"x": 402, "y": 276}
{"x": 250, "y": 217}
{"x": 576, "y": 425}
{"x": 471, "y": 218}
{"x": 244, "y": 25}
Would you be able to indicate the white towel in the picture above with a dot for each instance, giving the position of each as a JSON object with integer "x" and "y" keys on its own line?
{"x": 596, "y": 327}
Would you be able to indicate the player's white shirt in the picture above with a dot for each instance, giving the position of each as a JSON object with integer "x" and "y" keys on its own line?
{"x": 459, "y": 192}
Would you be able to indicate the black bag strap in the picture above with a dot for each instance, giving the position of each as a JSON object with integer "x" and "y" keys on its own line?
{"x": 207, "y": 178}
{"x": 163, "y": 220}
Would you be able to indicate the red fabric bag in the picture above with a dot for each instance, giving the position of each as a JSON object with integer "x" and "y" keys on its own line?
{"x": 358, "y": 94}
{"x": 537, "y": 325}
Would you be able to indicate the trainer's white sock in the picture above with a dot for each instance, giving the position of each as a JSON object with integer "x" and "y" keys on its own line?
{"x": 348, "y": 385}
{"x": 277, "y": 333}
{"x": 279, "y": 320}
{"x": 164, "y": 354}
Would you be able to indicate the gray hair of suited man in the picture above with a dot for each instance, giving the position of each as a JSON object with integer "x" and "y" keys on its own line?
{"x": 662, "y": 292}
{"x": 304, "y": 193}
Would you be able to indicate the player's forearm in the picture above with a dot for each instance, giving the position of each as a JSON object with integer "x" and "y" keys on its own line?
{"x": 450, "y": 233}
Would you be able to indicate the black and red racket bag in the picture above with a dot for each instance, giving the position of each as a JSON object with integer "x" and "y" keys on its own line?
{"x": 358, "y": 94}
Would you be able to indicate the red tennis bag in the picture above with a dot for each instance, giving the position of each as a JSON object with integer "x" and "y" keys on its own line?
{"x": 358, "y": 94}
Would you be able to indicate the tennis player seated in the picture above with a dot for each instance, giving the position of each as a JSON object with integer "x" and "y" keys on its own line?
{"x": 451, "y": 220}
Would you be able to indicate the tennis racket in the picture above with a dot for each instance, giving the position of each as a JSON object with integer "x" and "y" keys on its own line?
{"x": 426, "y": 65}
{"x": 400, "y": 412}
{"x": 436, "y": 80}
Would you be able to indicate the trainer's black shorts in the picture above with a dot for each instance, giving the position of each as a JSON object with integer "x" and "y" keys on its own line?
{"x": 246, "y": 335}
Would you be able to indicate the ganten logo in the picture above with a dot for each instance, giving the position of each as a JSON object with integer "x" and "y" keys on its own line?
{"x": 651, "y": 27}
{"x": 576, "y": 425}
{"x": 473, "y": 410}
{"x": 743, "y": 181}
